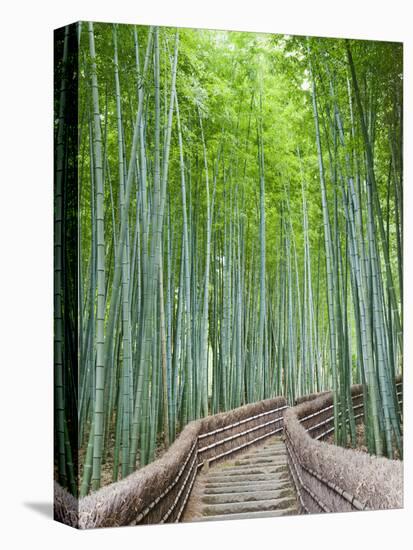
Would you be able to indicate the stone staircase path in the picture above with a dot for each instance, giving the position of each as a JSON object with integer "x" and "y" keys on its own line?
{"x": 254, "y": 484}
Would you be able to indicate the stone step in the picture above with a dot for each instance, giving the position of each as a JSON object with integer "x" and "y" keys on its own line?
{"x": 254, "y": 461}
{"x": 248, "y": 464}
{"x": 270, "y": 451}
{"x": 254, "y": 506}
{"x": 253, "y": 469}
{"x": 253, "y": 484}
{"x": 273, "y": 469}
{"x": 251, "y": 478}
{"x": 260, "y": 460}
{"x": 280, "y": 477}
{"x": 250, "y": 461}
{"x": 272, "y": 447}
{"x": 267, "y": 452}
{"x": 247, "y": 496}
{"x": 218, "y": 488}
{"x": 252, "y": 515}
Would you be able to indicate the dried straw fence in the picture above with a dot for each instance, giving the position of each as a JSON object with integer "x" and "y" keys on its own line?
{"x": 159, "y": 492}
{"x": 332, "y": 479}
{"x": 327, "y": 478}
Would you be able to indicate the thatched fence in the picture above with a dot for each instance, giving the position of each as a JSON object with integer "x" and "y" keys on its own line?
{"x": 330, "y": 478}
{"x": 159, "y": 492}
{"x": 327, "y": 478}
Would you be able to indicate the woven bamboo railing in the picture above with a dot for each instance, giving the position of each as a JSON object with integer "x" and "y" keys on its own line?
{"x": 328, "y": 478}
{"x": 159, "y": 492}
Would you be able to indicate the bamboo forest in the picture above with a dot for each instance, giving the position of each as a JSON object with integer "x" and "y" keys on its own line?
{"x": 239, "y": 236}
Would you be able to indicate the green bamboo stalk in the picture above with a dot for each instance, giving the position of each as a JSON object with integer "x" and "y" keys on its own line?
{"x": 100, "y": 258}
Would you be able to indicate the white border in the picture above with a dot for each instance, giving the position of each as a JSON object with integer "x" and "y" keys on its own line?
{"x": 26, "y": 268}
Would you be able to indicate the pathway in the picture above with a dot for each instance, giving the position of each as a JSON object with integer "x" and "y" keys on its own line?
{"x": 255, "y": 484}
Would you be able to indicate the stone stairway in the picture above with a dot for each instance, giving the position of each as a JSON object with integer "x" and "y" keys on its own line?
{"x": 255, "y": 484}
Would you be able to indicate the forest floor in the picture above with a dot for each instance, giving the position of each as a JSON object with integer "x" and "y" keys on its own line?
{"x": 107, "y": 464}
{"x": 360, "y": 441}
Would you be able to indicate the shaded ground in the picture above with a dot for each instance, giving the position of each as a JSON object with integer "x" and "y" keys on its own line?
{"x": 107, "y": 464}
{"x": 360, "y": 441}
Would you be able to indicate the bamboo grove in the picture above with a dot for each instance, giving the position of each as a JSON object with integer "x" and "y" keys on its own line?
{"x": 239, "y": 236}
